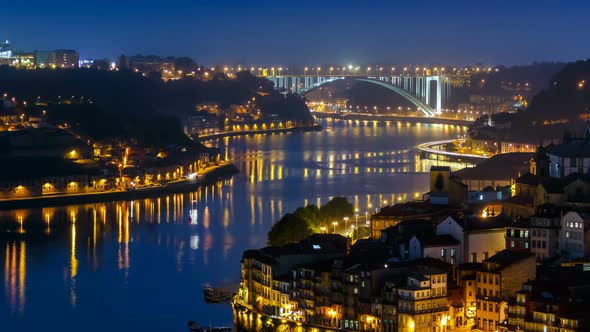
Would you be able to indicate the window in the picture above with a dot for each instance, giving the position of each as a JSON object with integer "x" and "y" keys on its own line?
{"x": 485, "y": 255}
{"x": 526, "y": 233}
{"x": 473, "y": 257}
{"x": 485, "y": 306}
{"x": 511, "y": 244}
{"x": 526, "y": 245}
{"x": 453, "y": 252}
{"x": 544, "y": 244}
{"x": 443, "y": 253}
{"x": 356, "y": 290}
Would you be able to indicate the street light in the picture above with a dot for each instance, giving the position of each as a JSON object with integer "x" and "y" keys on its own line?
{"x": 345, "y": 222}
{"x": 352, "y": 230}
{"x": 323, "y": 229}
{"x": 335, "y": 223}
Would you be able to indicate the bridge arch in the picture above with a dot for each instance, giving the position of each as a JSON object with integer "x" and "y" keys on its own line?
{"x": 425, "y": 108}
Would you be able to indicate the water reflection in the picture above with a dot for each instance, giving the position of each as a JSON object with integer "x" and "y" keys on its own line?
{"x": 75, "y": 261}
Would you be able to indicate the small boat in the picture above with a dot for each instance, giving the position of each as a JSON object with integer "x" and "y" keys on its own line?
{"x": 216, "y": 295}
{"x": 195, "y": 327}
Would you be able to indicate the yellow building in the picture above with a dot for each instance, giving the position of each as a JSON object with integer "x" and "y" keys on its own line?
{"x": 497, "y": 279}
{"x": 422, "y": 302}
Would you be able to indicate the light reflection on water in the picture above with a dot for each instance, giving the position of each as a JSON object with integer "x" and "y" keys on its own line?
{"x": 138, "y": 265}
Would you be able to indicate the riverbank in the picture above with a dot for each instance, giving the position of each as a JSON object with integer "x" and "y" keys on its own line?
{"x": 381, "y": 117}
{"x": 209, "y": 176}
{"x": 428, "y": 149}
{"x": 314, "y": 127}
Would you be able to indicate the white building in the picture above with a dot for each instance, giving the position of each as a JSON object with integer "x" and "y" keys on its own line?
{"x": 568, "y": 158}
{"x": 574, "y": 238}
{"x": 479, "y": 238}
{"x": 443, "y": 247}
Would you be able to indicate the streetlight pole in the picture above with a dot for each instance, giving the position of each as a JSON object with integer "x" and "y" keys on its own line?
{"x": 346, "y": 223}
{"x": 335, "y": 223}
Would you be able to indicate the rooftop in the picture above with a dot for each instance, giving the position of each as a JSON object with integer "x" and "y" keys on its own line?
{"x": 499, "y": 167}
{"x": 439, "y": 240}
{"x": 578, "y": 148}
{"x": 507, "y": 257}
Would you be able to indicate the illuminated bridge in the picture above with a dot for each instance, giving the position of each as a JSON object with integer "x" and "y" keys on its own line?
{"x": 427, "y": 92}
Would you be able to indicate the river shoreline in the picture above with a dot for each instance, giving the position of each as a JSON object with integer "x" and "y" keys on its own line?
{"x": 314, "y": 127}
{"x": 210, "y": 177}
{"x": 366, "y": 117}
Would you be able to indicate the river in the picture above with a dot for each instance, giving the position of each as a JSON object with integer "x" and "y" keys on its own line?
{"x": 139, "y": 265}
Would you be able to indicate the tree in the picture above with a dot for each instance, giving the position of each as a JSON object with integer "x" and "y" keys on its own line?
{"x": 305, "y": 221}
{"x": 336, "y": 209}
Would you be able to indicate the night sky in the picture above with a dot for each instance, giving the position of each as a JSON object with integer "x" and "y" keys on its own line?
{"x": 307, "y": 32}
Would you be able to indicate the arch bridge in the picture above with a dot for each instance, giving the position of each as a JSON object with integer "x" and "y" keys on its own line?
{"x": 416, "y": 89}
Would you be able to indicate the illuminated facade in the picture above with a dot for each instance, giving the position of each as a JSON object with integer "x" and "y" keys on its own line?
{"x": 496, "y": 280}
{"x": 45, "y": 59}
{"x": 422, "y": 304}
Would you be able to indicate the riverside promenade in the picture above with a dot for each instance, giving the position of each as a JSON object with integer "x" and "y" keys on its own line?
{"x": 208, "y": 176}
{"x": 314, "y": 127}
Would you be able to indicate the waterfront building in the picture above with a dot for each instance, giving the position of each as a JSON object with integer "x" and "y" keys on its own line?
{"x": 196, "y": 125}
{"x": 260, "y": 269}
{"x": 46, "y": 142}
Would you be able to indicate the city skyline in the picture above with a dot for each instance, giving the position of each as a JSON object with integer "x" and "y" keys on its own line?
{"x": 330, "y": 32}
